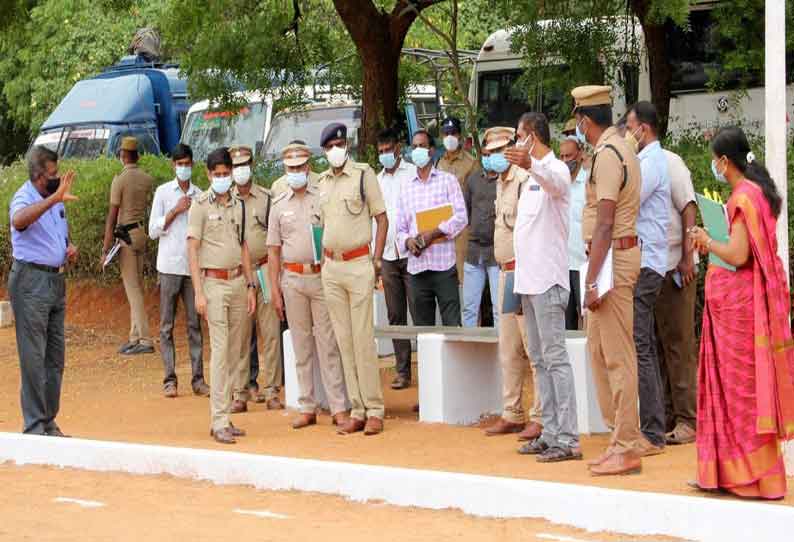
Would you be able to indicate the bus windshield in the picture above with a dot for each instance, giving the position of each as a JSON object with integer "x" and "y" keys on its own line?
{"x": 307, "y": 126}
{"x": 82, "y": 143}
{"x": 207, "y": 130}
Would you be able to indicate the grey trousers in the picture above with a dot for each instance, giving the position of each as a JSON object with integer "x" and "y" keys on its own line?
{"x": 544, "y": 315}
{"x": 38, "y": 299}
{"x": 172, "y": 287}
{"x": 646, "y": 293}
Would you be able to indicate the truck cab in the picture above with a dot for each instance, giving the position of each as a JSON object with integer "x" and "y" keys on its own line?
{"x": 132, "y": 98}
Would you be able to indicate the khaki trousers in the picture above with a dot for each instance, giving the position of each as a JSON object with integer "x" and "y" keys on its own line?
{"x": 348, "y": 290}
{"x": 226, "y": 315}
{"x": 514, "y": 359}
{"x": 610, "y": 341}
{"x": 131, "y": 263}
{"x": 313, "y": 341}
{"x": 269, "y": 348}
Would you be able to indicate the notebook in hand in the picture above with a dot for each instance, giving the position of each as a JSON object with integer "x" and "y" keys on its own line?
{"x": 429, "y": 219}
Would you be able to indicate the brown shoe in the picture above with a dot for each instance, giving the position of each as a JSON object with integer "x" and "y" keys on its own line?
{"x": 645, "y": 448}
{"x": 352, "y": 425}
{"x": 304, "y": 419}
{"x": 340, "y": 418}
{"x": 224, "y": 436}
{"x": 401, "y": 383}
{"x": 274, "y": 403}
{"x": 681, "y": 434}
{"x": 374, "y": 426}
{"x": 201, "y": 389}
{"x": 618, "y": 464}
{"x": 259, "y": 398}
{"x": 600, "y": 459}
{"x": 531, "y": 431}
{"x": 503, "y": 427}
{"x": 239, "y": 406}
{"x": 170, "y": 390}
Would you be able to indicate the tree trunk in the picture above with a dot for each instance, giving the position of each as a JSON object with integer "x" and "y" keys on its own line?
{"x": 659, "y": 68}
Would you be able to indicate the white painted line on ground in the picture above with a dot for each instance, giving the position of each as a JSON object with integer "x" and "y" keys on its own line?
{"x": 261, "y": 514}
{"x": 80, "y": 502}
{"x": 586, "y": 507}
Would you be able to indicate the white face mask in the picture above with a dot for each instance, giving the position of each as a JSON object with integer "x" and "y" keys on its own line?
{"x": 242, "y": 175}
{"x": 451, "y": 143}
{"x": 184, "y": 173}
{"x": 336, "y": 156}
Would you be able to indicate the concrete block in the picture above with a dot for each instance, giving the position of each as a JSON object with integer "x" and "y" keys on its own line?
{"x": 6, "y": 314}
{"x": 291, "y": 389}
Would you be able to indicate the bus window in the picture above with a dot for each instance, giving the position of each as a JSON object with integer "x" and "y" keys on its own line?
{"x": 500, "y": 100}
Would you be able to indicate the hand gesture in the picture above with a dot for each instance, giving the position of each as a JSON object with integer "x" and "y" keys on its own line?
{"x": 182, "y": 205}
{"x": 201, "y": 304}
{"x": 519, "y": 156}
{"x": 63, "y": 194}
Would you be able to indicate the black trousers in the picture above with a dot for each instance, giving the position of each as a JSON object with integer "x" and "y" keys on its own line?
{"x": 399, "y": 300}
{"x": 574, "y": 308}
{"x": 436, "y": 288}
{"x": 38, "y": 299}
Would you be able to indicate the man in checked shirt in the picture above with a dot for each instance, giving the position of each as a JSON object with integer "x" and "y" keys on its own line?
{"x": 434, "y": 275}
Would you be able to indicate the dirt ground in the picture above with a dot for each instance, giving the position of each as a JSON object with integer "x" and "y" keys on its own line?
{"x": 45, "y": 504}
{"x": 109, "y": 397}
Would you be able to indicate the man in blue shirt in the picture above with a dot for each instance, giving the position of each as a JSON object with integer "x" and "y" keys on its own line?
{"x": 36, "y": 286}
{"x": 652, "y": 223}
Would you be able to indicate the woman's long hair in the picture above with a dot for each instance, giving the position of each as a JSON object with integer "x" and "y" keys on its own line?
{"x": 732, "y": 142}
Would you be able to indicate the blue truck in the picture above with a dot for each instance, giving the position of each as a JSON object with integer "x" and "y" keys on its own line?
{"x": 134, "y": 97}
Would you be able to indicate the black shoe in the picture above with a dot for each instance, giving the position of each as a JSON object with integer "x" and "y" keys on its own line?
{"x": 533, "y": 447}
{"x": 56, "y": 432}
{"x": 401, "y": 383}
{"x": 139, "y": 349}
{"x": 127, "y": 346}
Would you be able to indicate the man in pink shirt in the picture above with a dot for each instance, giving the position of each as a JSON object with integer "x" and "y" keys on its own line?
{"x": 541, "y": 278}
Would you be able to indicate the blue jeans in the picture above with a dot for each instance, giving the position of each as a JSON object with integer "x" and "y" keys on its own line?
{"x": 473, "y": 285}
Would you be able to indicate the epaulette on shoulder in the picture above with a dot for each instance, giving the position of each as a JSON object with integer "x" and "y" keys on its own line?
{"x": 281, "y": 197}
{"x": 204, "y": 196}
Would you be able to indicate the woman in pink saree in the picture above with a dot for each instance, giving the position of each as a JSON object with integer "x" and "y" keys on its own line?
{"x": 745, "y": 406}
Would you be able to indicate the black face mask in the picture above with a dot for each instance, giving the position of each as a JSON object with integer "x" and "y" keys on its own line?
{"x": 572, "y": 165}
{"x": 52, "y": 185}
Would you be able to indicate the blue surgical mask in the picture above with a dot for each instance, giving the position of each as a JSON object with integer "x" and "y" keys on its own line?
{"x": 221, "y": 185}
{"x": 717, "y": 175}
{"x": 486, "y": 163}
{"x": 387, "y": 160}
{"x": 183, "y": 173}
{"x": 420, "y": 157}
{"x": 297, "y": 179}
{"x": 499, "y": 163}
{"x": 579, "y": 134}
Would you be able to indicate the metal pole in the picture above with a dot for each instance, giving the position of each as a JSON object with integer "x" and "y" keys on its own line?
{"x": 775, "y": 127}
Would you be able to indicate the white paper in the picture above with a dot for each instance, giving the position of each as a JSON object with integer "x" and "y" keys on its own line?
{"x": 112, "y": 253}
{"x": 604, "y": 282}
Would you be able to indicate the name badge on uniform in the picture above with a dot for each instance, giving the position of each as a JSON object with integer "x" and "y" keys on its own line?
{"x": 534, "y": 187}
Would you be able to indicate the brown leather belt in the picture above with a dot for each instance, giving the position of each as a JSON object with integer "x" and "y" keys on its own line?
{"x": 262, "y": 262}
{"x": 223, "y": 274}
{"x": 509, "y": 266}
{"x": 363, "y": 250}
{"x": 621, "y": 243}
{"x": 302, "y": 268}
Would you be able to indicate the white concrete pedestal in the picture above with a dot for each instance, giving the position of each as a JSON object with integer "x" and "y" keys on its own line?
{"x": 588, "y": 412}
{"x": 291, "y": 389}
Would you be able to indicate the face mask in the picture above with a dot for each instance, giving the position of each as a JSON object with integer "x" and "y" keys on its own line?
{"x": 221, "y": 185}
{"x": 717, "y": 175}
{"x": 579, "y": 134}
{"x": 52, "y": 185}
{"x": 572, "y": 165}
{"x": 451, "y": 143}
{"x": 387, "y": 160}
{"x": 242, "y": 175}
{"x": 499, "y": 163}
{"x": 486, "y": 163}
{"x": 420, "y": 157}
{"x": 297, "y": 179}
{"x": 183, "y": 173}
{"x": 336, "y": 156}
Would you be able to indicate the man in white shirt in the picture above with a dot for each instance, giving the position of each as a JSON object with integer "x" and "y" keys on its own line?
{"x": 571, "y": 153}
{"x": 168, "y": 226}
{"x": 394, "y": 273}
{"x": 541, "y": 278}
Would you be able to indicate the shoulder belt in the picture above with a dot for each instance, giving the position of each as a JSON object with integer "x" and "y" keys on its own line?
{"x": 620, "y": 157}
{"x": 361, "y": 187}
{"x": 242, "y": 230}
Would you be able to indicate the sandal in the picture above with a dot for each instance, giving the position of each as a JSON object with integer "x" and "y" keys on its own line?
{"x": 560, "y": 453}
{"x": 533, "y": 447}
{"x": 681, "y": 434}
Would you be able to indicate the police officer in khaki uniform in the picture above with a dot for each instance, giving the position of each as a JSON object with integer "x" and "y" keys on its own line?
{"x": 258, "y": 205}
{"x": 350, "y": 198}
{"x": 609, "y": 220}
{"x": 461, "y": 164}
{"x": 281, "y": 184}
{"x": 296, "y": 283}
{"x": 220, "y": 267}
{"x": 512, "y": 331}
{"x": 130, "y": 193}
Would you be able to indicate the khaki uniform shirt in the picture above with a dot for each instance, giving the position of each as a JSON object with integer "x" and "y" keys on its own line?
{"x": 290, "y": 224}
{"x": 218, "y": 228}
{"x": 130, "y": 192}
{"x": 461, "y": 164}
{"x": 347, "y": 220}
{"x": 256, "y": 217}
{"x": 280, "y": 185}
{"x": 606, "y": 178}
{"x": 507, "y": 194}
